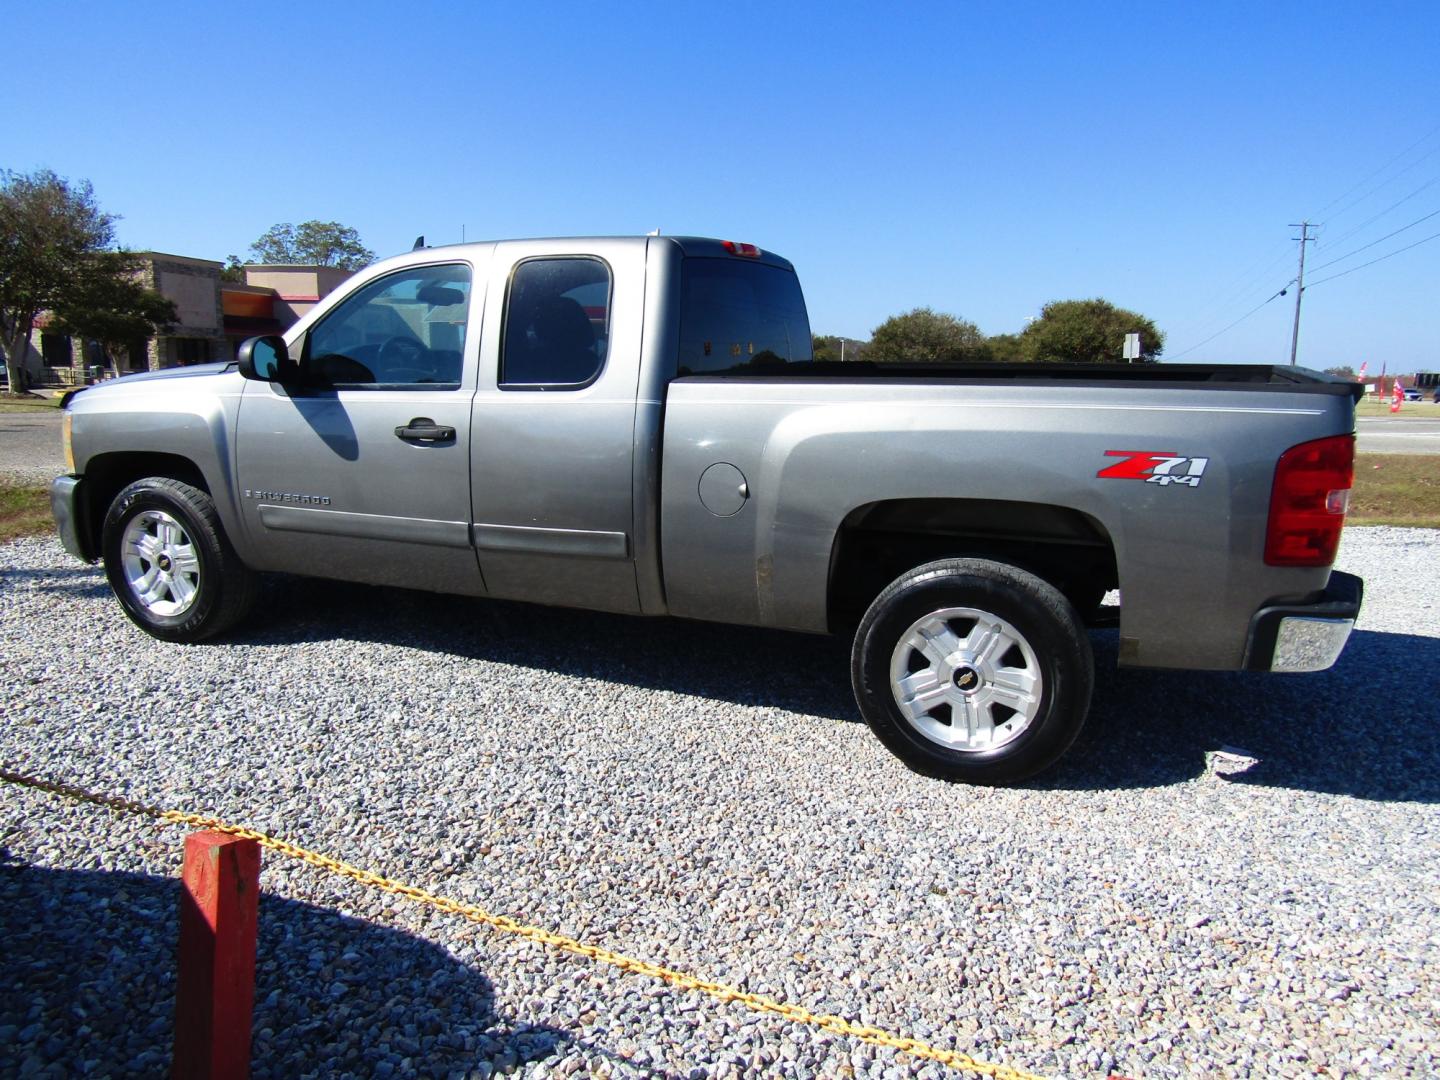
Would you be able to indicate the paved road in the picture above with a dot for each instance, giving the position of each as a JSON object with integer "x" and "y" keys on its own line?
{"x": 30, "y": 444}
{"x": 1402, "y": 435}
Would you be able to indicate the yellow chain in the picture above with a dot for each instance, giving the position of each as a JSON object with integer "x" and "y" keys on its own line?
{"x": 836, "y": 1025}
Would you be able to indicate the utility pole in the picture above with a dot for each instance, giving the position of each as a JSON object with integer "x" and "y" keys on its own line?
{"x": 1304, "y": 238}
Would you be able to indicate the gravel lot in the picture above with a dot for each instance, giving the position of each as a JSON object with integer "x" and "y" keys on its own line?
{"x": 703, "y": 797}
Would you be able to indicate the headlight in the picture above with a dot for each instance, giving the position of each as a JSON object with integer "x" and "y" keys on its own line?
{"x": 65, "y": 439}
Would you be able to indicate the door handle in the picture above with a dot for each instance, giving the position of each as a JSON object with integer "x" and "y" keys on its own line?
{"x": 423, "y": 429}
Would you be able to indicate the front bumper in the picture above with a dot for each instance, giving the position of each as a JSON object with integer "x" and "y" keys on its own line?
{"x": 68, "y": 506}
{"x": 1305, "y": 637}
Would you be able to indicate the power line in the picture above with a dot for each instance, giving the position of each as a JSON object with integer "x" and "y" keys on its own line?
{"x": 1387, "y": 236}
{"x": 1228, "y": 298}
{"x": 1377, "y": 172}
{"x": 1372, "y": 262}
{"x": 1232, "y": 326}
{"x": 1252, "y": 282}
{"x": 1247, "y": 280}
{"x": 1398, "y": 203}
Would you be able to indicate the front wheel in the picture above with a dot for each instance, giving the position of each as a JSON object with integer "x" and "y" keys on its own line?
{"x": 170, "y": 564}
{"x": 973, "y": 670}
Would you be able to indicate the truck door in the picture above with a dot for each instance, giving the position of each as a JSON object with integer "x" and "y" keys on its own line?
{"x": 360, "y": 468}
{"x": 554, "y": 421}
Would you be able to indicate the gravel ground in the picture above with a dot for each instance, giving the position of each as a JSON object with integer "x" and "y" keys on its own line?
{"x": 702, "y": 796}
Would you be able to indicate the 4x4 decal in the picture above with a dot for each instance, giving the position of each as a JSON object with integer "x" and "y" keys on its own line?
{"x": 1163, "y": 467}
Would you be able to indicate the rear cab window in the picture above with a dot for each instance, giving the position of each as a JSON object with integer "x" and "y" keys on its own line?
{"x": 557, "y": 323}
{"x": 740, "y": 317}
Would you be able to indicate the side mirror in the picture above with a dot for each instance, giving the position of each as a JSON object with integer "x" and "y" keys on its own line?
{"x": 265, "y": 359}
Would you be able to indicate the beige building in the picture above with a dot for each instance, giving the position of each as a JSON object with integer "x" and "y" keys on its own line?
{"x": 297, "y": 289}
{"x": 212, "y": 318}
{"x": 198, "y": 336}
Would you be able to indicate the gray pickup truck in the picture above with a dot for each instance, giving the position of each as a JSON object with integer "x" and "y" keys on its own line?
{"x": 637, "y": 425}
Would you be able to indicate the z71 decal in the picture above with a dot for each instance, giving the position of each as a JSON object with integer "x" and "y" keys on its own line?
{"x": 1163, "y": 467}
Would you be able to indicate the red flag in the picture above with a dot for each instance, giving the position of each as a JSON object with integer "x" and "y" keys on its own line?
{"x": 1363, "y": 365}
{"x": 1397, "y": 395}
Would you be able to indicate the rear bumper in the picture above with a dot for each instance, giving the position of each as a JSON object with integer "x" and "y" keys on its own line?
{"x": 68, "y": 507}
{"x": 1305, "y": 637}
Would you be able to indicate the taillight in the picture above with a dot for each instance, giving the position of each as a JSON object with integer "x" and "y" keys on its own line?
{"x": 1308, "y": 502}
{"x": 750, "y": 251}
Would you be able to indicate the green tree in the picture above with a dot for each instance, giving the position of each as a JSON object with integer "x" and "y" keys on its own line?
{"x": 1087, "y": 332}
{"x": 313, "y": 243}
{"x": 1345, "y": 371}
{"x": 110, "y": 304}
{"x": 924, "y": 334}
{"x": 50, "y": 232}
{"x": 1005, "y": 348}
{"x": 829, "y": 347}
{"x": 234, "y": 271}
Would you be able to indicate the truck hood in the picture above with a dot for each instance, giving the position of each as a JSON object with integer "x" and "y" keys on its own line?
{"x": 175, "y": 379}
{"x": 176, "y": 372}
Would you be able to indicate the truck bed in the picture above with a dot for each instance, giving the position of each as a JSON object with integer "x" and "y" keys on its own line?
{"x": 973, "y": 452}
{"x": 1155, "y": 376}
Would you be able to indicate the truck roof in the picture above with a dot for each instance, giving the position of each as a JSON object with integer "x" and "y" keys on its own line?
{"x": 703, "y": 247}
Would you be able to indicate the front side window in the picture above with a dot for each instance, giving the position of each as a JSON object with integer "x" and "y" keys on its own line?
{"x": 738, "y": 316}
{"x": 557, "y": 323}
{"x": 404, "y": 329}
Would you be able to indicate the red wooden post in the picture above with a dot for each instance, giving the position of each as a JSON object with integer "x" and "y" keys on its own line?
{"x": 215, "y": 990}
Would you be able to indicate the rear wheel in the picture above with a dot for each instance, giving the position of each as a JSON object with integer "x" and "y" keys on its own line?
{"x": 973, "y": 670}
{"x": 170, "y": 564}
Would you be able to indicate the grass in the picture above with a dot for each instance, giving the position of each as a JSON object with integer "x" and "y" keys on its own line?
{"x": 1409, "y": 410}
{"x": 1396, "y": 489}
{"x": 26, "y": 403}
{"x": 24, "y": 509}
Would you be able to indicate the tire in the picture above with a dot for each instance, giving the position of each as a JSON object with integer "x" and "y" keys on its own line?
{"x": 170, "y": 564}
{"x": 992, "y": 664}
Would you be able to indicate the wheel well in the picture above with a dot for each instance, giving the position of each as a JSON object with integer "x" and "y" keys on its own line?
{"x": 878, "y": 542}
{"x": 107, "y": 474}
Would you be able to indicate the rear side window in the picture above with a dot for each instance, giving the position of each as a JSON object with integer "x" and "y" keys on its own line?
{"x": 740, "y": 317}
{"x": 557, "y": 323}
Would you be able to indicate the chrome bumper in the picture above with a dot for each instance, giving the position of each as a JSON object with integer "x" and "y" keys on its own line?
{"x": 1306, "y": 637}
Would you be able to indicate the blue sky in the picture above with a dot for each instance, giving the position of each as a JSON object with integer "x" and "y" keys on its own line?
{"x": 981, "y": 159}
